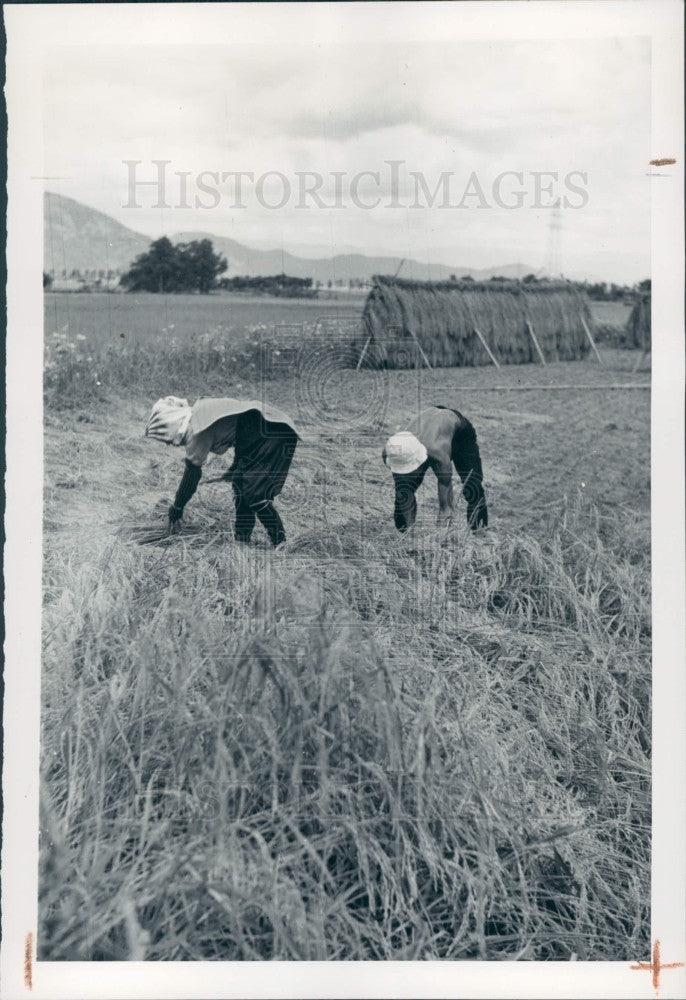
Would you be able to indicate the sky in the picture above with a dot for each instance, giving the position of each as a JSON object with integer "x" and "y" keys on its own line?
{"x": 296, "y": 115}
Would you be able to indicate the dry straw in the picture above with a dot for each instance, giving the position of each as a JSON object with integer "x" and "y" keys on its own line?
{"x": 443, "y": 317}
{"x": 440, "y": 752}
{"x": 159, "y": 531}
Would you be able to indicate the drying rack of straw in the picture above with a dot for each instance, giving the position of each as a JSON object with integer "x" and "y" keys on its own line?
{"x": 637, "y": 332}
{"x": 468, "y": 323}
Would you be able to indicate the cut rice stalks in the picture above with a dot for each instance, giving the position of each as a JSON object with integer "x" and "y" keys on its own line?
{"x": 160, "y": 531}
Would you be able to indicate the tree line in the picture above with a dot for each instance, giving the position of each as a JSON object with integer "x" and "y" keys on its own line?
{"x": 195, "y": 267}
{"x": 280, "y": 285}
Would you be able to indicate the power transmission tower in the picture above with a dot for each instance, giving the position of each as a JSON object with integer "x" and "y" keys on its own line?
{"x": 553, "y": 256}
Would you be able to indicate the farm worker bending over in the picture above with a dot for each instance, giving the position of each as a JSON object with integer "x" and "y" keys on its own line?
{"x": 437, "y": 439}
{"x": 263, "y": 439}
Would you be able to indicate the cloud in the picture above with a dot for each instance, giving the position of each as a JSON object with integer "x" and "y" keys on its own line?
{"x": 458, "y": 107}
{"x": 349, "y": 124}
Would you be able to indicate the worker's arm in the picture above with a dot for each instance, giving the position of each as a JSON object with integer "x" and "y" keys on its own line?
{"x": 187, "y": 487}
{"x": 444, "y": 475}
{"x": 198, "y": 448}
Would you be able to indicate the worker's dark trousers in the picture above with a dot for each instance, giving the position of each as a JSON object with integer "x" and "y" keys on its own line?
{"x": 263, "y": 458}
{"x": 265, "y": 511}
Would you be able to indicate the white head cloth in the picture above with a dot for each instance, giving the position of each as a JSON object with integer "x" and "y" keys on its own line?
{"x": 404, "y": 453}
{"x": 169, "y": 420}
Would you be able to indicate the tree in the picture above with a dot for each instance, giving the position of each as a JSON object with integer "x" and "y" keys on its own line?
{"x": 597, "y": 290}
{"x": 154, "y": 271}
{"x": 200, "y": 266}
{"x": 187, "y": 267}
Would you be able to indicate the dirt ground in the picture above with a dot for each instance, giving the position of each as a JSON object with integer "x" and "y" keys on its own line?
{"x": 544, "y": 433}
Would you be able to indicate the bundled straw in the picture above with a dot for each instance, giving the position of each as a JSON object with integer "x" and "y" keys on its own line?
{"x": 637, "y": 331}
{"x": 159, "y": 531}
{"x": 444, "y": 317}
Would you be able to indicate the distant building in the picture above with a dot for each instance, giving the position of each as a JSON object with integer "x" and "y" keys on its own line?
{"x": 91, "y": 280}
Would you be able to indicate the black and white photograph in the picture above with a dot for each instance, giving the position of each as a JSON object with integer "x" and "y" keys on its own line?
{"x": 381, "y": 660}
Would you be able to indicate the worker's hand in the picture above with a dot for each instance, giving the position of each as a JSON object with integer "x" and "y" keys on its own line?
{"x": 175, "y": 514}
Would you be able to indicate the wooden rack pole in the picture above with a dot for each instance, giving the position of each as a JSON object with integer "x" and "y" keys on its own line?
{"x": 486, "y": 347}
{"x": 421, "y": 351}
{"x": 640, "y": 361}
{"x": 536, "y": 343}
{"x": 591, "y": 340}
{"x": 364, "y": 351}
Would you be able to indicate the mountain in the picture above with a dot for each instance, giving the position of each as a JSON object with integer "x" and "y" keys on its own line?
{"x": 250, "y": 261}
{"x": 79, "y": 238}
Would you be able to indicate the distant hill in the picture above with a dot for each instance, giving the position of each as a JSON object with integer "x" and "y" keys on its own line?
{"x": 249, "y": 261}
{"x": 78, "y": 238}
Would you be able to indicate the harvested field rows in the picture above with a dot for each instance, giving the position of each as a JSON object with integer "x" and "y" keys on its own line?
{"x": 362, "y": 745}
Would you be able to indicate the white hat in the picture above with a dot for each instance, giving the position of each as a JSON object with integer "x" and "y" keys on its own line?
{"x": 404, "y": 453}
{"x": 169, "y": 420}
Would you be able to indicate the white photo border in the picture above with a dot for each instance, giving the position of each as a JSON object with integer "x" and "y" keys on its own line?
{"x": 31, "y": 30}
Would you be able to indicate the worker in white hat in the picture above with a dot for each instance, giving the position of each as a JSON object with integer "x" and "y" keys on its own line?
{"x": 438, "y": 438}
{"x": 263, "y": 439}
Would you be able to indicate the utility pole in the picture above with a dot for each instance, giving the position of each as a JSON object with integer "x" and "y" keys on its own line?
{"x": 553, "y": 258}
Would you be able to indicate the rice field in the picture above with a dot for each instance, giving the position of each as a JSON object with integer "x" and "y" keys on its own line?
{"x": 362, "y": 745}
{"x": 110, "y": 315}
{"x": 610, "y": 313}
{"x": 143, "y": 318}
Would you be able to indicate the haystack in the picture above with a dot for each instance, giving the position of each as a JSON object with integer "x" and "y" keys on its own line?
{"x": 637, "y": 330}
{"x": 444, "y": 317}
